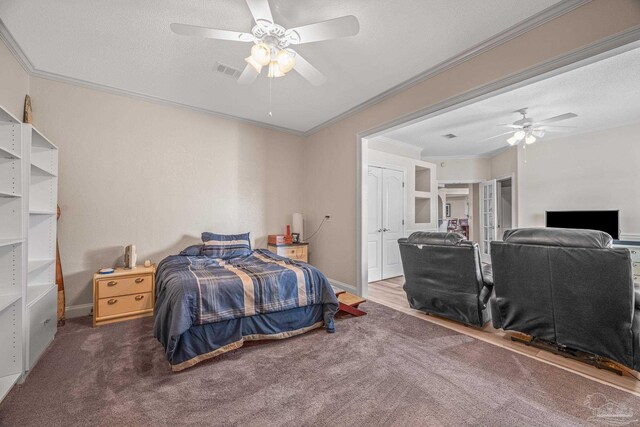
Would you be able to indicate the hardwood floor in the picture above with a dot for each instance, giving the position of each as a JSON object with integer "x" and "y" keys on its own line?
{"x": 389, "y": 292}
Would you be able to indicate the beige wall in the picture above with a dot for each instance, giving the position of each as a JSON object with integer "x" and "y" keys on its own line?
{"x": 458, "y": 206}
{"x": 598, "y": 170}
{"x": 14, "y": 83}
{"x": 462, "y": 170}
{"x": 504, "y": 163}
{"x": 330, "y": 154}
{"x": 157, "y": 176}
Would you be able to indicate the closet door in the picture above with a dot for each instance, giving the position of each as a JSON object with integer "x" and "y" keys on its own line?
{"x": 392, "y": 222}
{"x": 374, "y": 226}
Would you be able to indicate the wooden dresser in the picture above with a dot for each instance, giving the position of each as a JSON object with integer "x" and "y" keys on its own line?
{"x": 295, "y": 251}
{"x": 124, "y": 294}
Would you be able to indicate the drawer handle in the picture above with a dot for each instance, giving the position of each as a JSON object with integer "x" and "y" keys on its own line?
{"x": 634, "y": 252}
{"x": 112, "y": 283}
{"x": 139, "y": 297}
{"x": 139, "y": 280}
{"x": 112, "y": 301}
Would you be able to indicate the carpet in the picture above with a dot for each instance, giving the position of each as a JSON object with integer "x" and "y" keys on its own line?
{"x": 383, "y": 369}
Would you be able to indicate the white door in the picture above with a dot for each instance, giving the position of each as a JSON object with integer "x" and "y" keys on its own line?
{"x": 488, "y": 209}
{"x": 393, "y": 222}
{"x": 374, "y": 226}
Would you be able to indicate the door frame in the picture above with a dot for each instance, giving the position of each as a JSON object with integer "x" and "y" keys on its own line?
{"x": 404, "y": 197}
{"x": 608, "y": 47}
{"x": 514, "y": 198}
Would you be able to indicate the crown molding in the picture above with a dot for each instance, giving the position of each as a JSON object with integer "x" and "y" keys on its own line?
{"x": 503, "y": 37}
{"x": 511, "y": 33}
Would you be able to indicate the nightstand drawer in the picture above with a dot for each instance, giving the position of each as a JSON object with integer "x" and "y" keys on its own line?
{"x": 635, "y": 255}
{"x": 122, "y": 305}
{"x": 124, "y": 286}
{"x": 289, "y": 252}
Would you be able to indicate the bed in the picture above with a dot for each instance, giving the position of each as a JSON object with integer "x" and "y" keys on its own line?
{"x": 207, "y": 305}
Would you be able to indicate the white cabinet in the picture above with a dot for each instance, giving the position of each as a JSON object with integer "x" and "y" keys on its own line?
{"x": 28, "y": 202}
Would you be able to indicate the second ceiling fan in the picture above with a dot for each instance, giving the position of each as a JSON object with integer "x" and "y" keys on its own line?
{"x": 271, "y": 42}
{"x": 529, "y": 130}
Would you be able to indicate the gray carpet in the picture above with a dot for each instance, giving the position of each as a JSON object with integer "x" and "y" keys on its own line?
{"x": 386, "y": 368}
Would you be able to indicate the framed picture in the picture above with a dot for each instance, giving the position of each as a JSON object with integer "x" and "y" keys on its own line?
{"x": 295, "y": 237}
{"x": 447, "y": 210}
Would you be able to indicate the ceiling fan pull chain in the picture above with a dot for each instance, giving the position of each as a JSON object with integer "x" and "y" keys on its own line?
{"x": 270, "y": 80}
{"x": 524, "y": 147}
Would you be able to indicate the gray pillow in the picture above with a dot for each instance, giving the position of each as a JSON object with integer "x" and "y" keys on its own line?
{"x": 193, "y": 250}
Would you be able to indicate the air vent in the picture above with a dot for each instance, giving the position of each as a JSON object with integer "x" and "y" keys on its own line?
{"x": 449, "y": 136}
{"x": 227, "y": 70}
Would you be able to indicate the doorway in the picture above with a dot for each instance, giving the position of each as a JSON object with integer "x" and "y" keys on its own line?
{"x": 497, "y": 212}
{"x": 385, "y": 208}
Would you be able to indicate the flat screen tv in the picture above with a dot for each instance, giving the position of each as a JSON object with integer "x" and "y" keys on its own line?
{"x": 606, "y": 221}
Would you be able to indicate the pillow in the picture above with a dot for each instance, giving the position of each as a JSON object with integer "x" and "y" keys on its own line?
{"x": 225, "y": 246}
{"x": 193, "y": 250}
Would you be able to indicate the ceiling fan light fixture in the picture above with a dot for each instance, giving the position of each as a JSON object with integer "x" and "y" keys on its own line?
{"x": 513, "y": 140}
{"x": 286, "y": 61}
{"x": 251, "y": 61}
{"x": 539, "y": 133}
{"x": 530, "y": 139}
{"x": 261, "y": 53}
{"x": 519, "y": 135}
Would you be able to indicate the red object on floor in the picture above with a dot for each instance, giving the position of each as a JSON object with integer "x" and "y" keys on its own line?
{"x": 349, "y": 303}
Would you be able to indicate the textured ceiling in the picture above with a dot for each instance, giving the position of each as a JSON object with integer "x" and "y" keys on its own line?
{"x": 605, "y": 94}
{"x": 128, "y": 45}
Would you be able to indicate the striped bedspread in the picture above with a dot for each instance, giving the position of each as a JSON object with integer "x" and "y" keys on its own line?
{"x": 199, "y": 290}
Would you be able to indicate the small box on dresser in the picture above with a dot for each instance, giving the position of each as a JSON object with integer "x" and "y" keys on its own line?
{"x": 124, "y": 294}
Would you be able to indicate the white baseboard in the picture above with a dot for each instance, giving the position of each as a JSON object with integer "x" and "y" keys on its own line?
{"x": 72, "y": 311}
{"x": 343, "y": 286}
{"x": 630, "y": 236}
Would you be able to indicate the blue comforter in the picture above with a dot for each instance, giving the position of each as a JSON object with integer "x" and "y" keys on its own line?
{"x": 200, "y": 290}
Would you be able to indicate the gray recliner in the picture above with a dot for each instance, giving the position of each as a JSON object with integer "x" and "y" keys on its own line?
{"x": 569, "y": 287}
{"x": 443, "y": 276}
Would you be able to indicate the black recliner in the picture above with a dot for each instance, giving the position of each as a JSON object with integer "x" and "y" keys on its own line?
{"x": 443, "y": 276}
{"x": 569, "y": 287}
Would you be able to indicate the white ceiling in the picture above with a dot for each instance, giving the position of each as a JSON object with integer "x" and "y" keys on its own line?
{"x": 127, "y": 45}
{"x": 605, "y": 94}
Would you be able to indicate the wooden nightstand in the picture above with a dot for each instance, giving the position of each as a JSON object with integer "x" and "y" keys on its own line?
{"x": 124, "y": 294}
{"x": 295, "y": 251}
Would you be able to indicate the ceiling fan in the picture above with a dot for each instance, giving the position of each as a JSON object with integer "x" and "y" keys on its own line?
{"x": 529, "y": 130}
{"x": 271, "y": 42}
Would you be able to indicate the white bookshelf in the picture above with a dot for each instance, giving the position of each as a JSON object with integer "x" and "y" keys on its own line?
{"x": 12, "y": 252}
{"x": 28, "y": 293}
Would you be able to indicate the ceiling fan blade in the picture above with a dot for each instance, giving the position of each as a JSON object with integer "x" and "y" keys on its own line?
{"x": 260, "y": 10}
{"x": 211, "y": 33}
{"x": 326, "y": 30}
{"x": 496, "y": 136}
{"x": 554, "y": 126}
{"x": 511, "y": 125}
{"x": 558, "y": 118}
{"x": 248, "y": 76}
{"x": 308, "y": 71}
